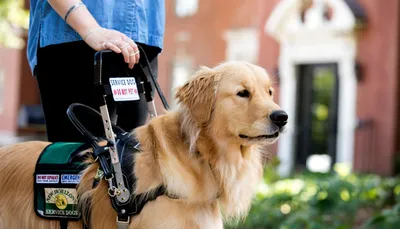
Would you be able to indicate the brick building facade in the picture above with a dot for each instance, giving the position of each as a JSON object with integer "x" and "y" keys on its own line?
{"x": 354, "y": 44}
{"x": 226, "y": 30}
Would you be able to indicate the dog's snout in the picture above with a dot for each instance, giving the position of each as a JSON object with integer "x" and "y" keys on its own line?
{"x": 279, "y": 118}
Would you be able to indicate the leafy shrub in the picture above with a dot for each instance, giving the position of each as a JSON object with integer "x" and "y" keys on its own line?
{"x": 336, "y": 200}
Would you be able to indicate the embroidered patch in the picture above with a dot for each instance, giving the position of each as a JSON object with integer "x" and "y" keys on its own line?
{"x": 70, "y": 178}
{"x": 61, "y": 202}
{"x": 47, "y": 178}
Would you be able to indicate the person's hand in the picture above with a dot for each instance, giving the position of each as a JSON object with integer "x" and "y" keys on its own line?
{"x": 93, "y": 34}
{"x": 104, "y": 39}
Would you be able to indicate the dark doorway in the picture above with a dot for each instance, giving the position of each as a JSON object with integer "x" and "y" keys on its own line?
{"x": 316, "y": 111}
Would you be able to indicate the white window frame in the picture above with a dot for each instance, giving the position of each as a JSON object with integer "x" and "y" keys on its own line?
{"x": 302, "y": 43}
{"x": 186, "y": 8}
{"x": 242, "y": 44}
{"x": 181, "y": 72}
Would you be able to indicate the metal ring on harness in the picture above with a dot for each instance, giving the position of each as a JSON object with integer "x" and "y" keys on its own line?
{"x": 112, "y": 191}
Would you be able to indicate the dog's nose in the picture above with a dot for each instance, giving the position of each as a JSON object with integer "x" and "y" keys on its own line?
{"x": 279, "y": 118}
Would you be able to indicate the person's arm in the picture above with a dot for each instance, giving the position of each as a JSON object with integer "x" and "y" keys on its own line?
{"x": 82, "y": 21}
{"x": 79, "y": 18}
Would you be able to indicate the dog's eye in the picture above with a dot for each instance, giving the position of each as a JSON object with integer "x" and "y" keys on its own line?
{"x": 244, "y": 93}
{"x": 270, "y": 92}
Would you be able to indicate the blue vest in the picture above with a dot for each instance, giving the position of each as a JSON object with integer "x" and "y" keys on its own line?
{"x": 141, "y": 20}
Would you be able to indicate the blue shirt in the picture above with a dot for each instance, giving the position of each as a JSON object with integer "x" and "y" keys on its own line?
{"x": 141, "y": 20}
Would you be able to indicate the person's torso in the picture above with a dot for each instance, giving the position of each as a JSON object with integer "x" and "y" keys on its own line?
{"x": 141, "y": 20}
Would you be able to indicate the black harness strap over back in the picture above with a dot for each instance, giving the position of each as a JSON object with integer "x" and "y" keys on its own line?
{"x": 63, "y": 224}
{"x": 127, "y": 146}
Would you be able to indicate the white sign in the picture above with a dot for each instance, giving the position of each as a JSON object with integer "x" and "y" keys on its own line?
{"x": 47, "y": 178}
{"x": 124, "y": 89}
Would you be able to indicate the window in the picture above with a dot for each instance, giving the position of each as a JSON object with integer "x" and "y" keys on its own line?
{"x": 186, "y": 8}
{"x": 181, "y": 72}
{"x": 242, "y": 44}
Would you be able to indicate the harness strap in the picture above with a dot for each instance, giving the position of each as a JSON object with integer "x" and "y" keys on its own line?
{"x": 123, "y": 222}
{"x": 159, "y": 91}
{"x": 125, "y": 205}
{"x": 101, "y": 154}
{"x": 127, "y": 148}
{"x": 63, "y": 224}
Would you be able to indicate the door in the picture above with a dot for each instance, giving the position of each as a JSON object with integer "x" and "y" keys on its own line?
{"x": 316, "y": 111}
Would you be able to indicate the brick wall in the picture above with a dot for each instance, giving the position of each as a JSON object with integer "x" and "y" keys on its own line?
{"x": 10, "y": 60}
{"x": 377, "y": 55}
{"x": 378, "y": 51}
{"x": 377, "y": 93}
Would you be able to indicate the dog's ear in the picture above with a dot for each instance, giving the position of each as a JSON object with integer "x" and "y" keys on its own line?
{"x": 199, "y": 94}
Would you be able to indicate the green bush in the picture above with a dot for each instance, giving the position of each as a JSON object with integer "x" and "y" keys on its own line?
{"x": 336, "y": 200}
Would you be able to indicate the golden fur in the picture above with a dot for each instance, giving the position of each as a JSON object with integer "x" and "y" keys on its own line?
{"x": 195, "y": 151}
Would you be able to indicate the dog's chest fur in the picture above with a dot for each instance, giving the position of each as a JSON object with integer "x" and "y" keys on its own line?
{"x": 206, "y": 181}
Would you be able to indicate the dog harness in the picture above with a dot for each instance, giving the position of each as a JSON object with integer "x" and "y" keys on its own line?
{"x": 58, "y": 169}
{"x": 58, "y": 172}
{"x": 127, "y": 147}
{"x": 55, "y": 179}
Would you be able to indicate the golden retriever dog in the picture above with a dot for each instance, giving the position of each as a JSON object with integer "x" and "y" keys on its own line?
{"x": 208, "y": 152}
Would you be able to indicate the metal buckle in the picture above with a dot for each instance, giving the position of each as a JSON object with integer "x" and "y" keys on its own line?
{"x": 127, "y": 221}
{"x": 112, "y": 191}
{"x": 99, "y": 174}
{"x": 123, "y": 224}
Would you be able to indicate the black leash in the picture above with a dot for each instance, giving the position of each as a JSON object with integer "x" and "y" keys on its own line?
{"x": 160, "y": 93}
{"x": 82, "y": 129}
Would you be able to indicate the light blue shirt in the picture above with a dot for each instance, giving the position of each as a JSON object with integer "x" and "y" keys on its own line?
{"x": 141, "y": 20}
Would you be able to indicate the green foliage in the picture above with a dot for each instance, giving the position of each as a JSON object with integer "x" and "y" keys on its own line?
{"x": 337, "y": 200}
{"x": 13, "y": 19}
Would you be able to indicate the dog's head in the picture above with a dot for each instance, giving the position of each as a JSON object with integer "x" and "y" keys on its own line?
{"x": 234, "y": 101}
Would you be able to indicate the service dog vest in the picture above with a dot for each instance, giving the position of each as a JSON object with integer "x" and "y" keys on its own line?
{"x": 55, "y": 181}
{"x": 58, "y": 172}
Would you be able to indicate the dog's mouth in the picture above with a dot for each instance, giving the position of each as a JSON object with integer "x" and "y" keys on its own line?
{"x": 260, "y": 137}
